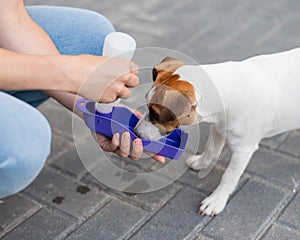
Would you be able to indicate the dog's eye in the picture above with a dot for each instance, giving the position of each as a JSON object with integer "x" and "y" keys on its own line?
{"x": 154, "y": 115}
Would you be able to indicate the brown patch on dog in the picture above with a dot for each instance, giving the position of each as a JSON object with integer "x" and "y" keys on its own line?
{"x": 167, "y": 65}
{"x": 163, "y": 73}
{"x": 173, "y": 102}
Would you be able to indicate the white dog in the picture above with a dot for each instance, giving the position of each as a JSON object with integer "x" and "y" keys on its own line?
{"x": 261, "y": 97}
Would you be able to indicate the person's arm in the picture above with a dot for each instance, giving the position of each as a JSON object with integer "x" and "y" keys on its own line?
{"x": 25, "y": 72}
{"x": 18, "y": 32}
{"x": 26, "y": 67}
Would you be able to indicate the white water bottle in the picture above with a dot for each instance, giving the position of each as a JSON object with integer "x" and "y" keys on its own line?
{"x": 116, "y": 44}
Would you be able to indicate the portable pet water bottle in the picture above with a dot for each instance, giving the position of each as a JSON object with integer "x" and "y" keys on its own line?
{"x": 116, "y": 44}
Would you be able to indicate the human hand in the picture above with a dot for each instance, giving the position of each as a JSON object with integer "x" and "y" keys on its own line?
{"x": 101, "y": 79}
{"x": 121, "y": 145}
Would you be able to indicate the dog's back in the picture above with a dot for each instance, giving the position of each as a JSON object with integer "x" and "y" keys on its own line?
{"x": 282, "y": 70}
{"x": 261, "y": 90}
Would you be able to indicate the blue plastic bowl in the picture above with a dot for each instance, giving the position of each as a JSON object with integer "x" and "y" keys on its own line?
{"x": 121, "y": 119}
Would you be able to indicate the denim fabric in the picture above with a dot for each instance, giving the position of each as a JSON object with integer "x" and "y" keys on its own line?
{"x": 25, "y": 135}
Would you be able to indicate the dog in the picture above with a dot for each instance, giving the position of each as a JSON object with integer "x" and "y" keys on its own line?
{"x": 260, "y": 97}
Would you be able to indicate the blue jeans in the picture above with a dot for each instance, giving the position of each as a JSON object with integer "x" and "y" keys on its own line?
{"x": 25, "y": 134}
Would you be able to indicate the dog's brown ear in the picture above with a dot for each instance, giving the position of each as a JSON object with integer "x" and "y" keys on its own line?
{"x": 168, "y": 59}
{"x": 168, "y": 64}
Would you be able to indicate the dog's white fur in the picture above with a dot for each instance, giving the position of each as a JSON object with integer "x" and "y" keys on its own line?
{"x": 261, "y": 97}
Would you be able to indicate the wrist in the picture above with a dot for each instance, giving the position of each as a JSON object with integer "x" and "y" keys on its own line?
{"x": 44, "y": 72}
{"x": 48, "y": 74}
{"x": 74, "y": 70}
{"x": 63, "y": 69}
{"x": 27, "y": 72}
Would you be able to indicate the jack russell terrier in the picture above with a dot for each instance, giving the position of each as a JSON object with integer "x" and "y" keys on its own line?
{"x": 260, "y": 95}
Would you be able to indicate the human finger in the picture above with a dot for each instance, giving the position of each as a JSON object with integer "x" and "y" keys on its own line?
{"x": 157, "y": 158}
{"x": 124, "y": 93}
{"x": 107, "y": 144}
{"x": 130, "y": 80}
{"x": 137, "y": 149}
{"x": 125, "y": 144}
{"x": 115, "y": 141}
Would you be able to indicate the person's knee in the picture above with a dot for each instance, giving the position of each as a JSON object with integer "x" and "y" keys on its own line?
{"x": 19, "y": 170}
{"x": 74, "y": 31}
{"x": 23, "y": 157}
{"x": 94, "y": 27}
{"x": 97, "y": 20}
{"x": 38, "y": 146}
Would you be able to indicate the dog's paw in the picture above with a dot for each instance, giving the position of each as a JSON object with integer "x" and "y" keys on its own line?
{"x": 212, "y": 205}
{"x": 194, "y": 162}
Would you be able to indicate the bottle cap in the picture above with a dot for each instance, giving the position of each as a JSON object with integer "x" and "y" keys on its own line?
{"x": 106, "y": 107}
{"x": 119, "y": 43}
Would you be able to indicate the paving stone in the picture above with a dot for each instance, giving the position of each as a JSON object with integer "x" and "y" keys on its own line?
{"x": 180, "y": 213}
{"x": 249, "y": 208}
{"x": 155, "y": 199}
{"x": 113, "y": 221}
{"x": 59, "y": 145}
{"x": 14, "y": 210}
{"x": 207, "y": 184}
{"x": 277, "y": 167}
{"x": 292, "y": 144}
{"x": 210, "y": 182}
{"x": 82, "y": 155}
{"x": 70, "y": 163}
{"x": 201, "y": 237}
{"x": 118, "y": 175}
{"x": 67, "y": 195}
{"x": 291, "y": 26}
{"x": 197, "y": 12}
{"x": 43, "y": 225}
{"x": 142, "y": 165}
{"x": 279, "y": 232}
{"x": 266, "y": 15}
{"x": 275, "y": 141}
{"x": 88, "y": 154}
{"x": 142, "y": 39}
{"x": 289, "y": 217}
{"x": 219, "y": 29}
{"x": 149, "y": 201}
{"x": 153, "y": 29}
{"x": 279, "y": 42}
{"x": 62, "y": 120}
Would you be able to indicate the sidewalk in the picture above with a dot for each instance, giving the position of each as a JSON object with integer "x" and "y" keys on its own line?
{"x": 65, "y": 202}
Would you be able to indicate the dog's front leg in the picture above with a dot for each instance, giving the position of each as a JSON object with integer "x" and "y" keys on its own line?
{"x": 206, "y": 160}
{"x": 216, "y": 202}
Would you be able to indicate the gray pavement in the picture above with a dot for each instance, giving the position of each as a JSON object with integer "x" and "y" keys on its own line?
{"x": 65, "y": 202}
